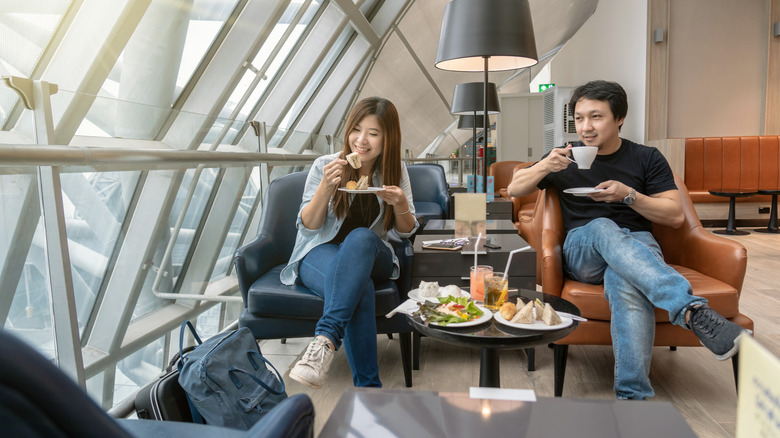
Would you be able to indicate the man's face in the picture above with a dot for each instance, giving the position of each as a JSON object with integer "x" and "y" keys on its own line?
{"x": 596, "y": 125}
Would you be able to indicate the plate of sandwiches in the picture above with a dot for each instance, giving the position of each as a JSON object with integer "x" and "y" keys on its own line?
{"x": 360, "y": 186}
{"x": 533, "y": 315}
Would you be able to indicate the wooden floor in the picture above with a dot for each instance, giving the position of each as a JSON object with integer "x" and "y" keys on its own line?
{"x": 700, "y": 387}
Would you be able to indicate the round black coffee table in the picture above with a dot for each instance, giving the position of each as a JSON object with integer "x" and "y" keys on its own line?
{"x": 732, "y": 194}
{"x": 493, "y": 336}
{"x": 772, "y": 227}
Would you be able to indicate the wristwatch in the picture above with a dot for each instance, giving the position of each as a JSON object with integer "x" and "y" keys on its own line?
{"x": 628, "y": 200}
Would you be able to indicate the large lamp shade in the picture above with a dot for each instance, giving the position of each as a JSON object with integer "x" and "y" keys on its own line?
{"x": 468, "y": 98}
{"x": 473, "y": 30}
{"x": 469, "y": 122}
{"x": 486, "y": 35}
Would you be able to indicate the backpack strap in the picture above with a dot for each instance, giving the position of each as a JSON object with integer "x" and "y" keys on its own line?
{"x": 196, "y": 417}
{"x": 233, "y": 370}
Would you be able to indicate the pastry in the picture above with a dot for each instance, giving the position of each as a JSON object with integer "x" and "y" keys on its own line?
{"x": 508, "y": 310}
{"x": 429, "y": 288}
{"x": 450, "y": 289}
{"x": 351, "y": 185}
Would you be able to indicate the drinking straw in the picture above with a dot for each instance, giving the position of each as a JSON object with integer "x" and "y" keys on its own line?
{"x": 476, "y": 244}
{"x": 509, "y": 259}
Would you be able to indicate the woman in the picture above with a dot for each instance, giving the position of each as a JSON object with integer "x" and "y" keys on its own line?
{"x": 342, "y": 246}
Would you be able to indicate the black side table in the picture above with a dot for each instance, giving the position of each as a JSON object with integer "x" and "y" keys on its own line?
{"x": 772, "y": 227}
{"x": 732, "y": 194}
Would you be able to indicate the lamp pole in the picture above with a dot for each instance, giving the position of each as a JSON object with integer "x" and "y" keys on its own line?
{"x": 486, "y": 119}
{"x": 474, "y": 150}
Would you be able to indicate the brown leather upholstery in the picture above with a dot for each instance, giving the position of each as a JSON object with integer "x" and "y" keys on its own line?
{"x": 714, "y": 265}
{"x": 749, "y": 162}
{"x": 502, "y": 172}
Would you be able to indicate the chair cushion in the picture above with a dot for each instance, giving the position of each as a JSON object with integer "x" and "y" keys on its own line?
{"x": 428, "y": 210}
{"x": 269, "y": 297}
{"x": 589, "y": 298}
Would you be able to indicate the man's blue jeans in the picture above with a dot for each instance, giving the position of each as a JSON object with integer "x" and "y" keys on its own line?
{"x": 636, "y": 279}
{"x": 343, "y": 274}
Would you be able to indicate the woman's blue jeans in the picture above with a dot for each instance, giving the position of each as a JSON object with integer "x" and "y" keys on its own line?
{"x": 343, "y": 274}
{"x": 636, "y": 279}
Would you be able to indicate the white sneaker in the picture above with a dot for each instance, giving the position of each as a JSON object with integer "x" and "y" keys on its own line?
{"x": 312, "y": 369}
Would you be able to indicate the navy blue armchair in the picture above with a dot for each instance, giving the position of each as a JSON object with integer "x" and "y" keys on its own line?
{"x": 273, "y": 310}
{"x": 430, "y": 191}
{"x": 37, "y": 400}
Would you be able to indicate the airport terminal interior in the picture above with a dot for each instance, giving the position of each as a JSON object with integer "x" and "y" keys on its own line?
{"x": 139, "y": 137}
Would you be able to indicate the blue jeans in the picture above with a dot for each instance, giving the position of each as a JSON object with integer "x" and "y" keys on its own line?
{"x": 636, "y": 279}
{"x": 343, "y": 274}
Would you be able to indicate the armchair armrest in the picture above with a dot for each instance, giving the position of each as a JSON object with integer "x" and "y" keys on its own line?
{"x": 711, "y": 255}
{"x": 254, "y": 259}
{"x": 405, "y": 253}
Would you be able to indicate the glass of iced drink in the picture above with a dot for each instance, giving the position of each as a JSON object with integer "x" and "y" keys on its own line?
{"x": 496, "y": 290}
{"x": 477, "y": 284}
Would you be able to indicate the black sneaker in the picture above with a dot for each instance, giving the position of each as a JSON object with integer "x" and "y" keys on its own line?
{"x": 715, "y": 332}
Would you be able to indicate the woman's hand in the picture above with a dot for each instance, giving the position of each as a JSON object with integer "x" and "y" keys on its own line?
{"x": 393, "y": 195}
{"x": 331, "y": 174}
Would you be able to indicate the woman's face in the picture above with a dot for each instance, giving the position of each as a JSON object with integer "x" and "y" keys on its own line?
{"x": 368, "y": 140}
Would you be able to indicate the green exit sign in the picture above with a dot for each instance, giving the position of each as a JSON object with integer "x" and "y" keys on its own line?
{"x": 543, "y": 87}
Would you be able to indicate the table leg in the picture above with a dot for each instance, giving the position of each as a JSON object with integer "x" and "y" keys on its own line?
{"x": 489, "y": 373}
{"x": 731, "y": 227}
{"x": 772, "y": 228}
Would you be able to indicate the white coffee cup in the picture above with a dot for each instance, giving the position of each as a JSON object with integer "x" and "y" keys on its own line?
{"x": 584, "y": 155}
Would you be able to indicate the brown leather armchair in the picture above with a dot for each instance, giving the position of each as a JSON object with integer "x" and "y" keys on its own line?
{"x": 715, "y": 267}
{"x": 502, "y": 172}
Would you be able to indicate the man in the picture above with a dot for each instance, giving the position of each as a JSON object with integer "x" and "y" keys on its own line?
{"x": 609, "y": 236}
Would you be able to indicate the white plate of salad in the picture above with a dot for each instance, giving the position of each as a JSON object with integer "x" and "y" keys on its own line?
{"x": 454, "y": 312}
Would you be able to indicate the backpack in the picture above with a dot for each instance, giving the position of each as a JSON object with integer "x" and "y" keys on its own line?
{"x": 227, "y": 379}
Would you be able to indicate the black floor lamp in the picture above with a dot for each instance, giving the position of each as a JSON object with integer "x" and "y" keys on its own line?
{"x": 468, "y": 103}
{"x": 476, "y": 31}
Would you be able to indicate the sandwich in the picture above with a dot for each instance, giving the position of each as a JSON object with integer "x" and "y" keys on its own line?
{"x": 539, "y": 308}
{"x": 354, "y": 160}
{"x": 362, "y": 183}
{"x": 550, "y": 316}
{"x": 525, "y": 315}
{"x": 508, "y": 310}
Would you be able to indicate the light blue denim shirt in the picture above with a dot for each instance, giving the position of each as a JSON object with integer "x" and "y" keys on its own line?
{"x": 308, "y": 239}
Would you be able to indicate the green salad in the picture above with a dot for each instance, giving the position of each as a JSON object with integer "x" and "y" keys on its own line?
{"x": 449, "y": 310}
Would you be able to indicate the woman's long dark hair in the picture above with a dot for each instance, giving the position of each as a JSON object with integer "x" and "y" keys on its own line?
{"x": 389, "y": 161}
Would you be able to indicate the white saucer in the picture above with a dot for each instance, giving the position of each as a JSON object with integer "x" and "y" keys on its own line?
{"x": 367, "y": 190}
{"x": 582, "y": 191}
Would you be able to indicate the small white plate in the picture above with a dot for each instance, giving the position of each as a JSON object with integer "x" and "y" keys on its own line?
{"x": 415, "y": 295}
{"x": 582, "y": 191}
{"x": 536, "y": 325}
{"x": 367, "y": 190}
{"x": 486, "y": 315}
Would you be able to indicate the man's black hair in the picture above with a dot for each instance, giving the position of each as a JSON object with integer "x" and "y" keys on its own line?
{"x": 604, "y": 91}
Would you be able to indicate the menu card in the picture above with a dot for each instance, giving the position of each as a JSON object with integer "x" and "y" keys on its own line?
{"x": 758, "y": 405}
{"x": 470, "y": 214}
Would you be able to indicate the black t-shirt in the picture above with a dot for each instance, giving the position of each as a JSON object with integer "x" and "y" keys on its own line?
{"x": 362, "y": 212}
{"x": 642, "y": 167}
